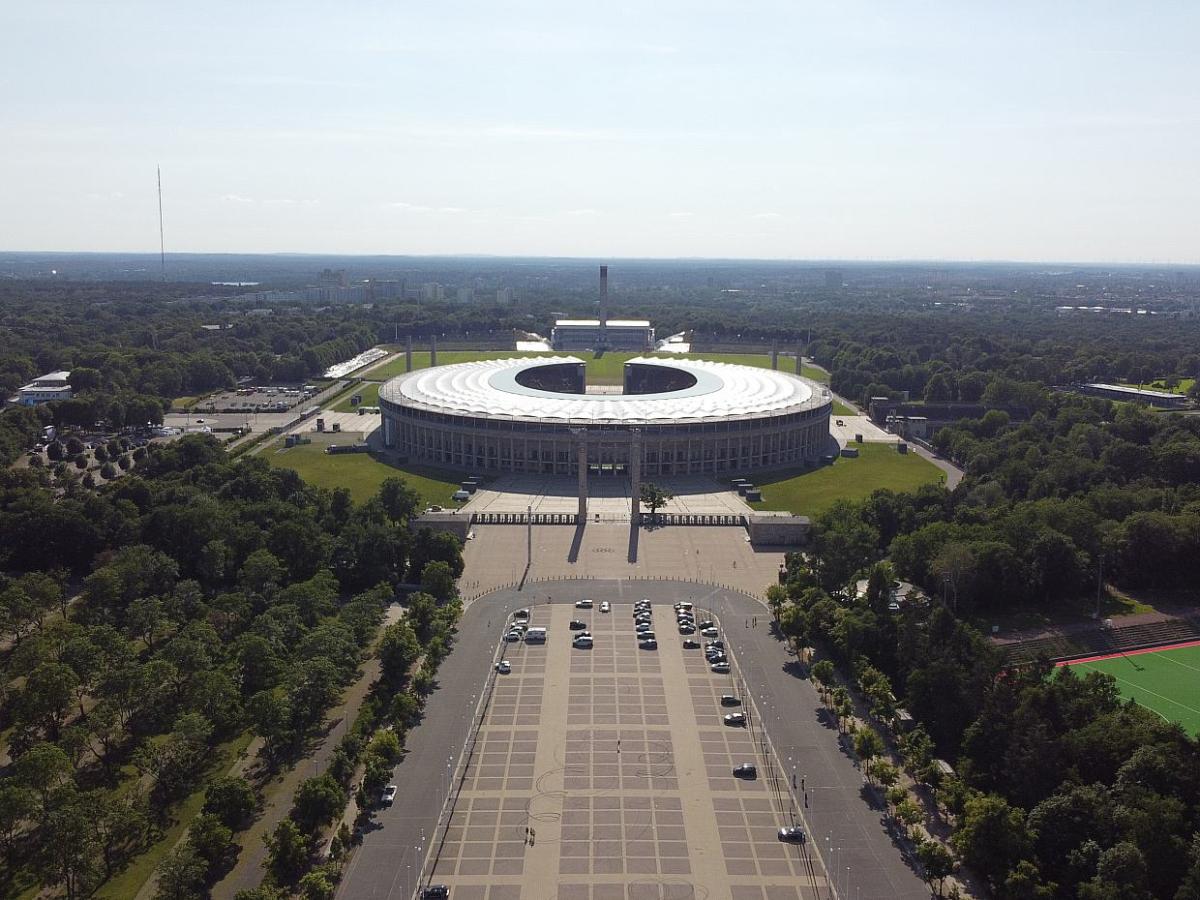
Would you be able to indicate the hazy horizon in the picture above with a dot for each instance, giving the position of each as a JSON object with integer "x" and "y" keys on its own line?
{"x": 774, "y": 131}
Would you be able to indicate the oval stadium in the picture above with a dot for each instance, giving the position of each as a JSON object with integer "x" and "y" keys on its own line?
{"x": 673, "y": 417}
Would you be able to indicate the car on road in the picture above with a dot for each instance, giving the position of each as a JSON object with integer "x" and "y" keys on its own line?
{"x": 582, "y": 642}
{"x": 736, "y": 720}
{"x": 513, "y": 636}
{"x": 691, "y": 645}
{"x": 720, "y": 668}
{"x": 435, "y": 892}
{"x": 605, "y": 607}
{"x": 648, "y": 644}
{"x": 793, "y": 834}
{"x": 388, "y": 797}
{"x": 504, "y": 667}
{"x": 730, "y": 700}
{"x": 746, "y": 770}
{"x": 576, "y": 625}
{"x": 583, "y": 604}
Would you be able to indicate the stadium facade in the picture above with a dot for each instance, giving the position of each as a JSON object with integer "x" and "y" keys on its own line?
{"x": 675, "y": 417}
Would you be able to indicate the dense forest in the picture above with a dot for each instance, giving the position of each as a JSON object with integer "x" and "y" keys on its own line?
{"x": 153, "y": 626}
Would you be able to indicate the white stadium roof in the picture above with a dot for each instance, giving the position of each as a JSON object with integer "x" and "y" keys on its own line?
{"x": 489, "y": 388}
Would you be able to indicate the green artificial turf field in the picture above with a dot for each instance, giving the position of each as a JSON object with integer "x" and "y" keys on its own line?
{"x": 1166, "y": 681}
{"x": 809, "y": 492}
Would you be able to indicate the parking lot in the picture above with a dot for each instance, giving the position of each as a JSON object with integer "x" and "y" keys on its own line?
{"x": 607, "y": 772}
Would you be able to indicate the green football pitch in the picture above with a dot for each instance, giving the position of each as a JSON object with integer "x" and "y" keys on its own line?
{"x": 1165, "y": 680}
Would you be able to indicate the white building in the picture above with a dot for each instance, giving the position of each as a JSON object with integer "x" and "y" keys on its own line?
{"x": 54, "y": 386}
{"x": 590, "y": 334}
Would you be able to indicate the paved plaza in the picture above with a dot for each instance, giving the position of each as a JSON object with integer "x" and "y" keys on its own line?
{"x": 608, "y": 496}
{"x": 618, "y": 761}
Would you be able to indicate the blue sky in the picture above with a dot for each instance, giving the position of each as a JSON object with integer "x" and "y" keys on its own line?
{"x": 853, "y": 130}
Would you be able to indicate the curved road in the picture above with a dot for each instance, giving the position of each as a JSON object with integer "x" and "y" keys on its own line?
{"x": 843, "y": 822}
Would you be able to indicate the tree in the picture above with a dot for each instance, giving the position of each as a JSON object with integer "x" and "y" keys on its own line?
{"x": 653, "y": 496}
{"x": 777, "y": 596}
{"x": 909, "y": 813}
{"x": 867, "y": 745}
{"x": 288, "y": 851}
{"x": 316, "y": 886}
{"x": 955, "y": 567}
{"x": 210, "y": 838}
{"x": 181, "y": 875}
{"x": 938, "y": 389}
{"x": 437, "y": 580}
{"x": 992, "y": 837}
{"x": 42, "y": 768}
{"x": 18, "y": 805}
{"x": 398, "y": 650}
{"x": 822, "y": 673}
{"x": 67, "y": 847}
{"x": 399, "y": 500}
{"x": 885, "y": 773}
{"x": 937, "y": 863}
{"x": 49, "y": 691}
{"x": 231, "y": 799}
{"x": 318, "y": 802}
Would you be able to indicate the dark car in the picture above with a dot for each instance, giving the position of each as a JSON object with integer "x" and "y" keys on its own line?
{"x": 793, "y": 834}
{"x": 746, "y": 770}
{"x": 650, "y": 644}
{"x": 576, "y": 625}
{"x": 730, "y": 700}
{"x": 435, "y": 892}
{"x": 707, "y": 623}
{"x": 686, "y": 629}
{"x": 691, "y": 645}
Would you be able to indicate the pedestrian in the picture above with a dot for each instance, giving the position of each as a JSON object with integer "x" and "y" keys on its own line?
{"x": 532, "y": 837}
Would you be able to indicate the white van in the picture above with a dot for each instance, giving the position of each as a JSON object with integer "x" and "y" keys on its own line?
{"x": 535, "y": 636}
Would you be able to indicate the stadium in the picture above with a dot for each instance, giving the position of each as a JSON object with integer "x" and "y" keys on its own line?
{"x": 536, "y": 416}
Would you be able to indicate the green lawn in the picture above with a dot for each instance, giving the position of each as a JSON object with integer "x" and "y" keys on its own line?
{"x": 841, "y": 409}
{"x": 370, "y": 397}
{"x": 362, "y": 473}
{"x": 1166, "y": 681}
{"x": 810, "y": 492}
{"x": 604, "y": 369}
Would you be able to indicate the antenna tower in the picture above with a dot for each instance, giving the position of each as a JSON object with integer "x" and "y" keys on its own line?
{"x": 162, "y": 245}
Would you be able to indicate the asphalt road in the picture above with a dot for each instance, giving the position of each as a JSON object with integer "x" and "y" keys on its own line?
{"x": 841, "y": 818}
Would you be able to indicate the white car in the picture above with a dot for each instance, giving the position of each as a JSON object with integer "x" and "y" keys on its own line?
{"x": 504, "y": 667}
{"x": 583, "y": 604}
{"x": 388, "y": 797}
{"x": 582, "y": 642}
{"x": 513, "y": 636}
{"x": 604, "y": 607}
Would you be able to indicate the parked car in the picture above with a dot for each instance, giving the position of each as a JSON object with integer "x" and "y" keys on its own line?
{"x": 691, "y": 645}
{"x": 582, "y": 642}
{"x": 730, "y": 700}
{"x": 583, "y": 604}
{"x": 435, "y": 892}
{"x": 707, "y": 623}
{"x": 576, "y": 625}
{"x": 513, "y": 636}
{"x": 643, "y": 626}
{"x": 709, "y": 632}
{"x": 388, "y": 797}
{"x": 720, "y": 668}
{"x": 504, "y": 667}
{"x": 746, "y": 770}
{"x": 605, "y": 607}
{"x": 793, "y": 834}
{"x": 736, "y": 720}
{"x": 649, "y": 644}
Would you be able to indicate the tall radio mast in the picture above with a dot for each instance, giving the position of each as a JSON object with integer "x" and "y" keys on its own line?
{"x": 162, "y": 245}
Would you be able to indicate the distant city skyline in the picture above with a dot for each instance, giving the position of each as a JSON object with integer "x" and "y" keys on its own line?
{"x": 765, "y": 130}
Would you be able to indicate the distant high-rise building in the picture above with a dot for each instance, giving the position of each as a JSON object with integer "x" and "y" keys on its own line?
{"x": 431, "y": 290}
{"x": 504, "y": 296}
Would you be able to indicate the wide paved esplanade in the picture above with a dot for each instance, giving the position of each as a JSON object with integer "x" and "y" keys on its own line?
{"x": 674, "y": 417}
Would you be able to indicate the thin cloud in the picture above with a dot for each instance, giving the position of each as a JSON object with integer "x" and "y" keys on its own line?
{"x": 767, "y": 215}
{"x": 680, "y": 215}
{"x": 235, "y": 198}
{"x": 583, "y": 212}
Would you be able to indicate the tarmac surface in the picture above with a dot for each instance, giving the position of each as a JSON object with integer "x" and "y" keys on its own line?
{"x": 617, "y": 760}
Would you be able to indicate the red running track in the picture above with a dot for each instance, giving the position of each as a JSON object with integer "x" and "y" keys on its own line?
{"x": 1088, "y": 659}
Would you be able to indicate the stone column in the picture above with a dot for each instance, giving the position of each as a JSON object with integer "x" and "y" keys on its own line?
{"x": 432, "y": 350}
{"x": 408, "y": 355}
{"x": 581, "y": 460}
{"x": 635, "y": 474}
{"x": 774, "y": 355}
{"x": 799, "y": 360}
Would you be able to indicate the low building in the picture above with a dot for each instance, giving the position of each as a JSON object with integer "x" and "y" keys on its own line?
{"x": 589, "y": 334}
{"x": 1137, "y": 395}
{"x": 54, "y": 386}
